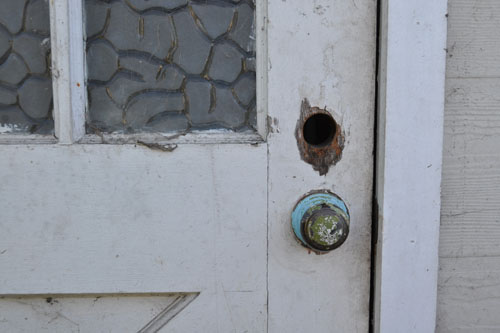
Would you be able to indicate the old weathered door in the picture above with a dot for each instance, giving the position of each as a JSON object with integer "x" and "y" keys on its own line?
{"x": 152, "y": 188}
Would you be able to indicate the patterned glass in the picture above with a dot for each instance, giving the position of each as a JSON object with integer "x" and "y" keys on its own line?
{"x": 170, "y": 65}
{"x": 25, "y": 79}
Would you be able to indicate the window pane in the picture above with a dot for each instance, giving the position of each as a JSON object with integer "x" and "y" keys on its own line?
{"x": 170, "y": 65}
{"x": 25, "y": 79}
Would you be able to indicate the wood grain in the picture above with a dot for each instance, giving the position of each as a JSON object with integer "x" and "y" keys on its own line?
{"x": 473, "y": 38}
{"x": 114, "y": 219}
{"x": 469, "y": 295}
{"x": 469, "y": 287}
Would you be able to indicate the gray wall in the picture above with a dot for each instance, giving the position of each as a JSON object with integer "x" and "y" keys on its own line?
{"x": 469, "y": 276}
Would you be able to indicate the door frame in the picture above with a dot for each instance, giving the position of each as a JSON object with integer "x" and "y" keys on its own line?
{"x": 411, "y": 81}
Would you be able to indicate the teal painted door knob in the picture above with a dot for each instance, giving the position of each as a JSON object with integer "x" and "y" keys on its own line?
{"x": 320, "y": 221}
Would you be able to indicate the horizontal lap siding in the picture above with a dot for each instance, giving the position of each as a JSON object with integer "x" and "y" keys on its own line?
{"x": 469, "y": 277}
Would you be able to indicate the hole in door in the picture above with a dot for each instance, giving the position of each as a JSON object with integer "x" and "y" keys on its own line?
{"x": 319, "y": 137}
{"x": 319, "y": 130}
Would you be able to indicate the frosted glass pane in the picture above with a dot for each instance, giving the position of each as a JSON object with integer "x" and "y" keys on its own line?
{"x": 25, "y": 80}
{"x": 170, "y": 65}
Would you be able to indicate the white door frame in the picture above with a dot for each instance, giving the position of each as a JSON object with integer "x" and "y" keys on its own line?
{"x": 409, "y": 158}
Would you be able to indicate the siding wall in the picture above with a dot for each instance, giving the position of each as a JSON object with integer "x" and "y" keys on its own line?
{"x": 469, "y": 276}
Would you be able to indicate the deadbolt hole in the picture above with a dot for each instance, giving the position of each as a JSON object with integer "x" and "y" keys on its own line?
{"x": 319, "y": 129}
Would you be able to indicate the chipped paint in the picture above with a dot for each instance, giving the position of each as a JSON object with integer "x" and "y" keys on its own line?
{"x": 158, "y": 147}
{"x": 10, "y": 128}
{"x": 272, "y": 125}
{"x": 321, "y": 157}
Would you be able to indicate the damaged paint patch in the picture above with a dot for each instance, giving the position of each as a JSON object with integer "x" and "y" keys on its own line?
{"x": 319, "y": 138}
{"x": 272, "y": 125}
{"x": 157, "y": 147}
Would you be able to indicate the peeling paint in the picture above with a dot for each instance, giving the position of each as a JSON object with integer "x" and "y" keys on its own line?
{"x": 321, "y": 157}
{"x": 158, "y": 147}
{"x": 9, "y": 128}
{"x": 272, "y": 125}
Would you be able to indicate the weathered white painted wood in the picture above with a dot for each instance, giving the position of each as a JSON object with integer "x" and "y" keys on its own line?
{"x": 469, "y": 293}
{"x": 324, "y": 51}
{"x": 261, "y": 20}
{"x": 124, "y": 219}
{"x": 68, "y": 70}
{"x": 92, "y": 313}
{"x": 10, "y": 139}
{"x": 411, "y": 103}
{"x": 201, "y": 137}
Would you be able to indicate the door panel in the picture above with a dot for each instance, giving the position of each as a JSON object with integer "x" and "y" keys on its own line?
{"x": 93, "y": 219}
{"x": 91, "y": 313}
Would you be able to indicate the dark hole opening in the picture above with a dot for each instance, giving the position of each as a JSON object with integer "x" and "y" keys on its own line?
{"x": 319, "y": 129}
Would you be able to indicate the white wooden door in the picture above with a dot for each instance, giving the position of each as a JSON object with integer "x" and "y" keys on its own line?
{"x": 149, "y": 204}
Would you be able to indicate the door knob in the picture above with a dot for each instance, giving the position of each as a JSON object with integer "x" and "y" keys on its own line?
{"x": 320, "y": 221}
